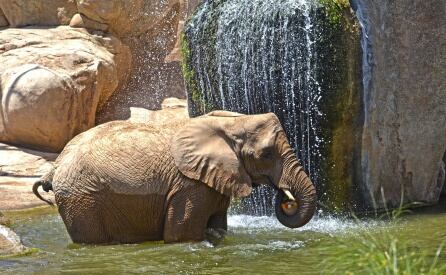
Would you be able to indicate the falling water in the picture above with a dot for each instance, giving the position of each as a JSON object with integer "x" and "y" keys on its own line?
{"x": 257, "y": 56}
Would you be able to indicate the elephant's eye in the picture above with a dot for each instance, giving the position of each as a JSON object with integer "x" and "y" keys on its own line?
{"x": 266, "y": 153}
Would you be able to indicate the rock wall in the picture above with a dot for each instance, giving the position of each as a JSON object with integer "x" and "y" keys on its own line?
{"x": 58, "y": 81}
{"x": 404, "y": 137}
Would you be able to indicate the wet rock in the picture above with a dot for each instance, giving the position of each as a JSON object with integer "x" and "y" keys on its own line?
{"x": 3, "y": 220}
{"x": 151, "y": 29}
{"x": 10, "y": 242}
{"x": 21, "y": 13}
{"x": 404, "y": 133}
{"x": 53, "y": 81}
{"x": 187, "y": 8}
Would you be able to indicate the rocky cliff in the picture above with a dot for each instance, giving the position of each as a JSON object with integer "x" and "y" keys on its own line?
{"x": 404, "y": 137}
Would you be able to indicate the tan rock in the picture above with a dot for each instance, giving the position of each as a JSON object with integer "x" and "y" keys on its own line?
{"x": 41, "y": 12}
{"x": 21, "y": 162}
{"x": 130, "y": 18}
{"x": 53, "y": 81}
{"x": 10, "y": 242}
{"x": 81, "y": 21}
{"x": 173, "y": 109}
{"x": 175, "y": 54}
{"x": 19, "y": 169}
{"x": 16, "y": 193}
{"x": 174, "y": 103}
{"x": 3, "y": 21}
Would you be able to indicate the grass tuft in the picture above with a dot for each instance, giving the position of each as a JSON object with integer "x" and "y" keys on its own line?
{"x": 381, "y": 251}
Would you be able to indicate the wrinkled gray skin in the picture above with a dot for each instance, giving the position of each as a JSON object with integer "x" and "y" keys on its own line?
{"x": 124, "y": 182}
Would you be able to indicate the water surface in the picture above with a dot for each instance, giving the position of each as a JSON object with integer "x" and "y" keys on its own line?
{"x": 253, "y": 245}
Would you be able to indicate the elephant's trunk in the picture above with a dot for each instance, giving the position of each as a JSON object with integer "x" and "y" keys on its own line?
{"x": 296, "y": 201}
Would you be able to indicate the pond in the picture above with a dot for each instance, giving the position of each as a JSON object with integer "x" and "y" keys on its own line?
{"x": 252, "y": 245}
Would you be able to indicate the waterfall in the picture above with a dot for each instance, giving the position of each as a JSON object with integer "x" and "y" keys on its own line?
{"x": 258, "y": 56}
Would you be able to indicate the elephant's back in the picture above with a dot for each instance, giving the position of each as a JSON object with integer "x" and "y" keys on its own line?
{"x": 123, "y": 157}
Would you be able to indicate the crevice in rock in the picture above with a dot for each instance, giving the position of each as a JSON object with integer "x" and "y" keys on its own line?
{"x": 442, "y": 178}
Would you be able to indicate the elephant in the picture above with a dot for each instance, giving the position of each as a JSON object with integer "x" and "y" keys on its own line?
{"x": 127, "y": 182}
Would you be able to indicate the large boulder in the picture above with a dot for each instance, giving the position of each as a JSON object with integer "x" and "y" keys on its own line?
{"x": 10, "y": 242}
{"x": 53, "y": 81}
{"x": 404, "y": 137}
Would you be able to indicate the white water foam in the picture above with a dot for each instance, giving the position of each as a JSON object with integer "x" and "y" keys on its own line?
{"x": 9, "y": 235}
{"x": 325, "y": 224}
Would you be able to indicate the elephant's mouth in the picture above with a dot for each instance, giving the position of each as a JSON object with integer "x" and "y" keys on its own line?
{"x": 293, "y": 211}
{"x": 289, "y": 204}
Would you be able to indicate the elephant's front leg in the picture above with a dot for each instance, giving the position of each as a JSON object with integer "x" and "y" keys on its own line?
{"x": 192, "y": 210}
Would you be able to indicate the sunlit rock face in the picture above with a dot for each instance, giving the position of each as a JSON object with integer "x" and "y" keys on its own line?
{"x": 297, "y": 58}
{"x": 404, "y": 139}
{"x": 59, "y": 81}
{"x": 53, "y": 81}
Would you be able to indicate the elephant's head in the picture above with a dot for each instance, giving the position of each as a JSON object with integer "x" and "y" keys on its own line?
{"x": 231, "y": 152}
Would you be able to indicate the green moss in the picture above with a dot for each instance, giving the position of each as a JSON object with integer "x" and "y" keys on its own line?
{"x": 18, "y": 215}
{"x": 334, "y": 9}
{"x": 189, "y": 73}
{"x": 27, "y": 252}
{"x": 342, "y": 126}
{"x": 197, "y": 105}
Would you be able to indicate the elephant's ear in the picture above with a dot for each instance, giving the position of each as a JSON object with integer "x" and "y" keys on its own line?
{"x": 203, "y": 150}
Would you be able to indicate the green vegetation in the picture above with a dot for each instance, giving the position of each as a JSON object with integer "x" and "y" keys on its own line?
{"x": 385, "y": 251}
{"x": 188, "y": 72}
{"x": 334, "y": 9}
{"x": 27, "y": 252}
{"x": 197, "y": 104}
{"x": 340, "y": 74}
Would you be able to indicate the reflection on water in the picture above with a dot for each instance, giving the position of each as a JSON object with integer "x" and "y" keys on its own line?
{"x": 253, "y": 245}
